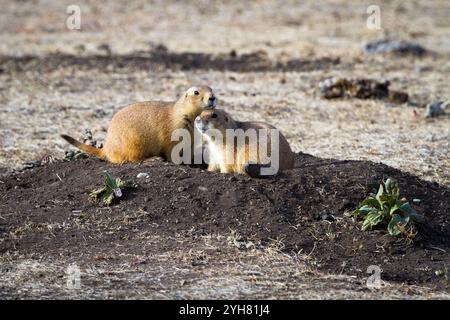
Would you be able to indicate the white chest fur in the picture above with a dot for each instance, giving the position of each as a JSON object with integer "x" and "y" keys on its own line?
{"x": 215, "y": 154}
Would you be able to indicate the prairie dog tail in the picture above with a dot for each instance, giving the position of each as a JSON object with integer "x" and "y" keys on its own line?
{"x": 98, "y": 152}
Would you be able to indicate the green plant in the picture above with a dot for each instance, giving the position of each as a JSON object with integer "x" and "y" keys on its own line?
{"x": 112, "y": 189}
{"x": 72, "y": 155}
{"x": 387, "y": 209}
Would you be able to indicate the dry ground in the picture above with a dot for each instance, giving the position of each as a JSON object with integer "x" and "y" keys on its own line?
{"x": 44, "y": 93}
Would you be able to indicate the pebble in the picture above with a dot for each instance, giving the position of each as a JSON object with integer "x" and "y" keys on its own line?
{"x": 328, "y": 217}
{"x": 32, "y": 164}
{"x": 436, "y": 109}
{"x": 143, "y": 175}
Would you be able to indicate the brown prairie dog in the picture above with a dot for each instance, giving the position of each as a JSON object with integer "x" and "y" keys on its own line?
{"x": 243, "y": 160}
{"x": 143, "y": 130}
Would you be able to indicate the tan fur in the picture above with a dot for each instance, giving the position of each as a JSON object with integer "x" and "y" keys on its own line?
{"x": 223, "y": 121}
{"x": 143, "y": 130}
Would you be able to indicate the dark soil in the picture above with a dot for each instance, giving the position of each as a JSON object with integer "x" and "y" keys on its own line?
{"x": 46, "y": 211}
{"x": 160, "y": 57}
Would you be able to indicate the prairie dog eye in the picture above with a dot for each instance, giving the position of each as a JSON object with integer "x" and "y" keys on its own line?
{"x": 196, "y": 92}
{"x": 214, "y": 115}
{"x": 226, "y": 119}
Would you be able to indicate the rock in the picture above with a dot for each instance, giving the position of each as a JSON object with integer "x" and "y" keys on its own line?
{"x": 422, "y": 69}
{"x": 332, "y": 88}
{"x": 436, "y": 109}
{"x": 99, "y": 113}
{"x": 143, "y": 175}
{"x": 395, "y": 47}
{"x": 31, "y": 164}
{"x": 159, "y": 48}
{"x": 327, "y": 217}
{"x": 397, "y": 96}
{"x": 105, "y": 48}
{"x": 356, "y": 88}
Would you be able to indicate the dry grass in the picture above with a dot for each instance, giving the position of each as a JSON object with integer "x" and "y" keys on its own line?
{"x": 215, "y": 269}
{"x": 36, "y": 107}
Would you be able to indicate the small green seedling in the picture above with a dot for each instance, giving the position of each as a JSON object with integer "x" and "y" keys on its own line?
{"x": 72, "y": 155}
{"x": 110, "y": 191}
{"x": 387, "y": 209}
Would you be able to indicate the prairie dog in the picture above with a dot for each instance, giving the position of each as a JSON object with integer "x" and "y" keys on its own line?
{"x": 143, "y": 130}
{"x": 243, "y": 161}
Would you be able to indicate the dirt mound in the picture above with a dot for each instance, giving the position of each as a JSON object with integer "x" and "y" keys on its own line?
{"x": 46, "y": 211}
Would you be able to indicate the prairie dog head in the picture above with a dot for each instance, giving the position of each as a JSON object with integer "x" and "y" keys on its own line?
{"x": 199, "y": 98}
{"x": 216, "y": 119}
